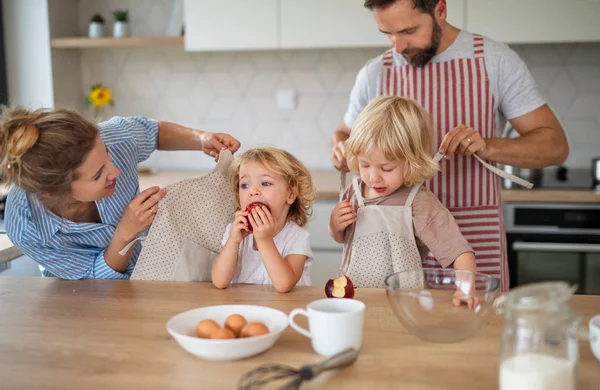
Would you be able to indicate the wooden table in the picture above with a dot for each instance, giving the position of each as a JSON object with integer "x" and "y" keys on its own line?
{"x": 100, "y": 334}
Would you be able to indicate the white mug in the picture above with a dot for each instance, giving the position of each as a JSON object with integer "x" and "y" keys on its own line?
{"x": 335, "y": 324}
{"x": 595, "y": 336}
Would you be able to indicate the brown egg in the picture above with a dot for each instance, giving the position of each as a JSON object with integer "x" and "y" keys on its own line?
{"x": 206, "y": 328}
{"x": 235, "y": 323}
{"x": 222, "y": 334}
{"x": 254, "y": 329}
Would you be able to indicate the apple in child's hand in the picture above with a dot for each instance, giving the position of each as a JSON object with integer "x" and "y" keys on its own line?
{"x": 341, "y": 287}
{"x": 249, "y": 209}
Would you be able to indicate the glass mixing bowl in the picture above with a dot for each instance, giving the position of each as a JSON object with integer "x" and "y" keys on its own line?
{"x": 424, "y": 300}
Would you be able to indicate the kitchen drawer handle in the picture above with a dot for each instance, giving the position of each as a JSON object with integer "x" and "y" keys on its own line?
{"x": 549, "y": 246}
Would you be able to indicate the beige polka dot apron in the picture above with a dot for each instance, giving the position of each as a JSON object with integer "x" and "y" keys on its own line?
{"x": 384, "y": 241}
{"x": 186, "y": 234}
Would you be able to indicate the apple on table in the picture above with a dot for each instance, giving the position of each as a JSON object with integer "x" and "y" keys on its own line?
{"x": 341, "y": 287}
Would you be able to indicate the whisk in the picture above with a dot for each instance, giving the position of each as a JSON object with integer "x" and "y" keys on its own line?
{"x": 270, "y": 373}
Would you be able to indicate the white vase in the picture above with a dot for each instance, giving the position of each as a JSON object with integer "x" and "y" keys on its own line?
{"x": 95, "y": 30}
{"x": 120, "y": 29}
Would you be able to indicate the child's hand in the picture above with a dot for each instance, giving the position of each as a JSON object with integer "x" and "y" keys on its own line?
{"x": 239, "y": 227}
{"x": 263, "y": 223}
{"x": 465, "y": 293}
{"x": 342, "y": 216}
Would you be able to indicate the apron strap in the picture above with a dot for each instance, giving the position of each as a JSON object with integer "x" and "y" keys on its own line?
{"x": 438, "y": 156}
{"x": 342, "y": 185}
{"x": 477, "y": 46}
{"x": 359, "y": 198}
{"x": 225, "y": 160}
{"x": 505, "y": 175}
{"x": 413, "y": 193}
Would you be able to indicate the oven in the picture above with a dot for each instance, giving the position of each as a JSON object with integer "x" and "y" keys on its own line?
{"x": 553, "y": 241}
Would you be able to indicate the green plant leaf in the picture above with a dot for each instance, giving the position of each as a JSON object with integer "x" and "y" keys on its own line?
{"x": 120, "y": 15}
{"x": 97, "y": 18}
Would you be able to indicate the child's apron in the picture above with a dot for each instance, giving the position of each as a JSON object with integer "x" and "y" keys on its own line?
{"x": 384, "y": 241}
{"x": 186, "y": 234}
{"x": 384, "y": 238}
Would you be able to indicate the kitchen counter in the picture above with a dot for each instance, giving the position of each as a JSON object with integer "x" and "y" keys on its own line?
{"x": 98, "y": 334}
{"x": 327, "y": 185}
{"x": 7, "y": 249}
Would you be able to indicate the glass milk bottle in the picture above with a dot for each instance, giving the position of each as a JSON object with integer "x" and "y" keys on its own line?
{"x": 539, "y": 348}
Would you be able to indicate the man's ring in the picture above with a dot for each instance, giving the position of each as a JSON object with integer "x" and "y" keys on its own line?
{"x": 151, "y": 211}
{"x": 469, "y": 140}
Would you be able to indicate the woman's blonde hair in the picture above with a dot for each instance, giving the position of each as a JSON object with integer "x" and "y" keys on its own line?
{"x": 401, "y": 129}
{"x": 40, "y": 150}
{"x": 284, "y": 164}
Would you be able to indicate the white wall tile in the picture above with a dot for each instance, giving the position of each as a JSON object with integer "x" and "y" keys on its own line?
{"x": 263, "y": 85}
{"x": 586, "y": 105}
{"x": 307, "y": 82}
{"x": 585, "y": 77}
{"x": 234, "y": 92}
{"x": 223, "y": 84}
{"x": 561, "y": 93}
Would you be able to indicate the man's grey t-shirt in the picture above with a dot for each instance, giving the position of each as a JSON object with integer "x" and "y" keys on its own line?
{"x": 511, "y": 82}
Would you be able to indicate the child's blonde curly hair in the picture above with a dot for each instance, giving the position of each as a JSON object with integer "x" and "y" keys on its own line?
{"x": 401, "y": 129}
{"x": 284, "y": 164}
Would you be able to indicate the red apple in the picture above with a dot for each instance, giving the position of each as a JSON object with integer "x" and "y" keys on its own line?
{"x": 341, "y": 287}
{"x": 249, "y": 209}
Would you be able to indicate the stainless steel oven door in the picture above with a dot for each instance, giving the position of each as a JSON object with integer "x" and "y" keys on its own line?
{"x": 538, "y": 261}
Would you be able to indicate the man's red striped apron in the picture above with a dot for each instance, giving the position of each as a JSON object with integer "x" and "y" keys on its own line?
{"x": 458, "y": 92}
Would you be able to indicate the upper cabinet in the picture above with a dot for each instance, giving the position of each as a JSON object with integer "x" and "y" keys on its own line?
{"x": 338, "y": 23}
{"x": 297, "y": 24}
{"x": 231, "y": 25}
{"x": 534, "y": 21}
{"x": 328, "y": 23}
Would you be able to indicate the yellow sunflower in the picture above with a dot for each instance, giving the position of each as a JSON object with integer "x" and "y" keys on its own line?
{"x": 100, "y": 96}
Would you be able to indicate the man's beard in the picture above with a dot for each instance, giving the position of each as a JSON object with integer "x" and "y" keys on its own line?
{"x": 423, "y": 56}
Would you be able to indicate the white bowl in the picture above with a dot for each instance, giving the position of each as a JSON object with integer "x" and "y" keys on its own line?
{"x": 183, "y": 328}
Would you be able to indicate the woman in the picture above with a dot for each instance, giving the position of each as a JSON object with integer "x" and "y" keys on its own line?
{"x": 75, "y": 202}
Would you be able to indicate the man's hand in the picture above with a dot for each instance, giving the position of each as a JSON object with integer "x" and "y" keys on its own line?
{"x": 213, "y": 143}
{"x": 463, "y": 140}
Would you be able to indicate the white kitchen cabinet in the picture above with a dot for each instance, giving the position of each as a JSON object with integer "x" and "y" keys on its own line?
{"x": 326, "y": 266}
{"x": 318, "y": 226}
{"x": 327, "y": 253}
{"x": 338, "y": 23}
{"x": 533, "y": 21}
{"x": 231, "y": 25}
{"x": 328, "y": 23}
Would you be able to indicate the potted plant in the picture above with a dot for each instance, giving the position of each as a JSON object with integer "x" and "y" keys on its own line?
{"x": 121, "y": 26}
{"x": 96, "y": 27}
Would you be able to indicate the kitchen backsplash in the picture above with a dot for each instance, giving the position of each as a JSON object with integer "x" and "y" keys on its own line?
{"x": 235, "y": 92}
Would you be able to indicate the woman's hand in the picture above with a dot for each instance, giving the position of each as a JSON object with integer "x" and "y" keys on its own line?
{"x": 213, "y": 143}
{"x": 263, "y": 223}
{"x": 239, "y": 227}
{"x": 139, "y": 214}
{"x": 338, "y": 157}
